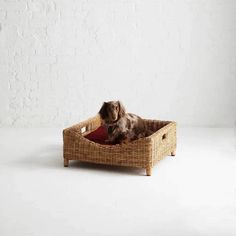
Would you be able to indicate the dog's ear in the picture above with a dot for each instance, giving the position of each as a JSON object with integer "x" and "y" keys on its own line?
{"x": 121, "y": 109}
{"x": 103, "y": 111}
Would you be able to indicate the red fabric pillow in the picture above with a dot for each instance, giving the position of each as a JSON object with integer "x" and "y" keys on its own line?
{"x": 98, "y": 136}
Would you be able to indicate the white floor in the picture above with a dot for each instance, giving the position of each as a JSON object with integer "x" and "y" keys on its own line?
{"x": 193, "y": 193}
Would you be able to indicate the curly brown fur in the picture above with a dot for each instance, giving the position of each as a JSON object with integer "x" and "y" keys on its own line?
{"x": 122, "y": 127}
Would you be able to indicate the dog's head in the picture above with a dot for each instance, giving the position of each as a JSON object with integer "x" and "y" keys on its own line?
{"x": 112, "y": 111}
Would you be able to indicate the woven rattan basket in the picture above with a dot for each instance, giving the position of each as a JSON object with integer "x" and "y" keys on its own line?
{"x": 142, "y": 153}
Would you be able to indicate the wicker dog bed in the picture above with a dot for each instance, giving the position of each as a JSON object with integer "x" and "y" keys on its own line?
{"x": 142, "y": 153}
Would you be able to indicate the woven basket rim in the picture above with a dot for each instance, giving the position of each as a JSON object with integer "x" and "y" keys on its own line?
{"x": 139, "y": 141}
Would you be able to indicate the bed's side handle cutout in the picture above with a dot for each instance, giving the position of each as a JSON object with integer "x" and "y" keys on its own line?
{"x": 164, "y": 136}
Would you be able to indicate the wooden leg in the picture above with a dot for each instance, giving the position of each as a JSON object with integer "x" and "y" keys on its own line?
{"x": 66, "y": 162}
{"x": 173, "y": 153}
{"x": 149, "y": 171}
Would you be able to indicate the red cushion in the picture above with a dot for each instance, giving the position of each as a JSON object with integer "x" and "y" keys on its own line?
{"x": 98, "y": 136}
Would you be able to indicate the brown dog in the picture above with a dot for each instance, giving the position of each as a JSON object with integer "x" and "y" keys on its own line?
{"x": 122, "y": 127}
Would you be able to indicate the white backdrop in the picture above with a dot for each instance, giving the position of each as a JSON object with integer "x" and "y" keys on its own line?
{"x": 175, "y": 60}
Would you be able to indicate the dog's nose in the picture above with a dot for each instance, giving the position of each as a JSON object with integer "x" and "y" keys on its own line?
{"x": 114, "y": 117}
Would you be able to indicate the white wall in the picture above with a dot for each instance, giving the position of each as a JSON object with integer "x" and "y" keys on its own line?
{"x": 59, "y": 60}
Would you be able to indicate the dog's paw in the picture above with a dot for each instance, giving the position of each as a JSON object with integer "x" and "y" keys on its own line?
{"x": 125, "y": 141}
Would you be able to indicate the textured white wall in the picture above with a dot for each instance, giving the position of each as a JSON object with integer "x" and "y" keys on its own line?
{"x": 166, "y": 59}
